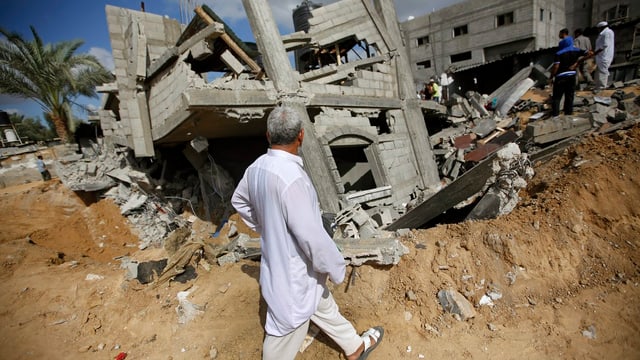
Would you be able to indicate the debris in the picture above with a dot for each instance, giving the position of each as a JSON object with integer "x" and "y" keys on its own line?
{"x": 486, "y": 300}
{"x": 455, "y": 303}
{"x": 93, "y": 277}
{"x": 511, "y": 171}
{"x": 557, "y": 128}
{"x": 381, "y": 251}
{"x": 187, "y": 310}
{"x": 590, "y": 332}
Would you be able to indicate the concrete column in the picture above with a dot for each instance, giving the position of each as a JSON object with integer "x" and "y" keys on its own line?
{"x": 412, "y": 113}
{"x": 279, "y": 70}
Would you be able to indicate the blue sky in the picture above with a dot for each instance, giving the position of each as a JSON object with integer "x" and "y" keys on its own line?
{"x": 61, "y": 20}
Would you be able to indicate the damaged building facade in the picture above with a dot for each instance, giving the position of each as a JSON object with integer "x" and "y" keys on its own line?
{"x": 366, "y": 146}
{"x": 476, "y": 32}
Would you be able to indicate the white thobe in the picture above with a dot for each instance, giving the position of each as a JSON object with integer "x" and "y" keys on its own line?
{"x": 277, "y": 199}
{"x": 605, "y": 42}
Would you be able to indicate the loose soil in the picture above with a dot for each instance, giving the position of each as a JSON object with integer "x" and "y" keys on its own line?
{"x": 566, "y": 262}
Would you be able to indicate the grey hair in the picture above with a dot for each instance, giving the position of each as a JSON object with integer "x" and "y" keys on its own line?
{"x": 283, "y": 125}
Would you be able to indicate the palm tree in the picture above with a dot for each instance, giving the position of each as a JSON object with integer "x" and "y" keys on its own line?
{"x": 51, "y": 74}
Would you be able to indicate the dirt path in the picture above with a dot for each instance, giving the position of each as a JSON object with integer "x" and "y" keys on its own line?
{"x": 566, "y": 261}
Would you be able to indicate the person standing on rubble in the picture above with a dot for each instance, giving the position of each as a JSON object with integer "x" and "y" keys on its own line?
{"x": 583, "y": 43}
{"x": 276, "y": 198}
{"x": 563, "y": 75}
{"x": 436, "y": 93}
{"x": 42, "y": 168}
{"x": 604, "y": 55}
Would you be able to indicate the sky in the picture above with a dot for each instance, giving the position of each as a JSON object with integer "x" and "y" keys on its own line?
{"x": 63, "y": 20}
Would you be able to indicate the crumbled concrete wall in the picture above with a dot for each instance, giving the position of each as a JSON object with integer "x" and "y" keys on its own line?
{"x": 166, "y": 89}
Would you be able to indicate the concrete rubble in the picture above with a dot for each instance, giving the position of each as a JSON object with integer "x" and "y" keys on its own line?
{"x": 176, "y": 143}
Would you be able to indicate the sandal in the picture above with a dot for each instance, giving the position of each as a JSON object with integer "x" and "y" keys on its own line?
{"x": 376, "y": 333}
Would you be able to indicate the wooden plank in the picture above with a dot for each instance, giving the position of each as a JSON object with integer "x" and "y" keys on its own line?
{"x": 230, "y": 43}
{"x": 490, "y": 137}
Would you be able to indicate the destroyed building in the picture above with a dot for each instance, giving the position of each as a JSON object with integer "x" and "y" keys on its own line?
{"x": 366, "y": 144}
{"x": 190, "y": 104}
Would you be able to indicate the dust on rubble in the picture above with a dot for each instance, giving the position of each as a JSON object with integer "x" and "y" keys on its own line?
{"x": 564, "y": 264}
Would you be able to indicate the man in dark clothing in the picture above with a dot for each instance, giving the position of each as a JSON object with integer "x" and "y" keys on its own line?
{"x": 563, "y": 73}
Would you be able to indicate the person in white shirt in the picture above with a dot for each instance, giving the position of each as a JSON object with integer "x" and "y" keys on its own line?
{"x": 604, "y": 55}
{"x": 276, "y": 198}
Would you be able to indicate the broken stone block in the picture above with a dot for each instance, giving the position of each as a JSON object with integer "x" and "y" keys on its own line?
{"x": 630, "y": 106}
{"x": 598, "y": 118}
{"x": 91, "y": 169}
{"x": 560, "y": 127}
{"x": 383, "y": 217}
{"x": 455, "y": 303}
{"x": 477, "y": 102}
{"x": 599, "y": 108}
{"x": 484, "y": 127}
{"x": 378, "y": 251}
{"x": 134, "y": 202}
{"x": 230, "y": 258}
{"x": 457, "y": 111}
{"x": 616, "y": 116}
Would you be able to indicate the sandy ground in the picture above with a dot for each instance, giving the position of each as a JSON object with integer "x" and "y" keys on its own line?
{"x": 566, "y": 263}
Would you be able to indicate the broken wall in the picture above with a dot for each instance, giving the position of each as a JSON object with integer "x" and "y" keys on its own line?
{"x": 373, "y": 139}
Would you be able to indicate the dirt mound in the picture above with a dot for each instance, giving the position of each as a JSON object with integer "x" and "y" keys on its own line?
{"x": 562, "y": 270}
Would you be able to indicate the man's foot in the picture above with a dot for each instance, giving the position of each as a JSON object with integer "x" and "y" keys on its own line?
{"x": 370, "y": 340}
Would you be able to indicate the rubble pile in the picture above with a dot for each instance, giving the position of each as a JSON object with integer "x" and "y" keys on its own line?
{"x": 149, "y": 206}
{"x": 479, "y": 125}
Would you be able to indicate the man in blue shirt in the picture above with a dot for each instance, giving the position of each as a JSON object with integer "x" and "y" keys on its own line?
{"x": 563, "y": 73}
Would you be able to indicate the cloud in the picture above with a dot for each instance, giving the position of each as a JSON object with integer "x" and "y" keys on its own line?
{"x": 13, "y": 111}
{"x": 104, "y": 57}
{"x": 6, "y": 99}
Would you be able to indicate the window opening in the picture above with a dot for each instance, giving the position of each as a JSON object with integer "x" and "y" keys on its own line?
{"x": 460, "y": 30}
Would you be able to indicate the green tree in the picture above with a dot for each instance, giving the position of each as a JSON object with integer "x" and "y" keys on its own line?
{"x": 50, "y": 74}
{"x": 31, "y": 129}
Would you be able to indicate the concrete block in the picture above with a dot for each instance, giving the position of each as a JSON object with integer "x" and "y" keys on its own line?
{"x": 616, "y": 116}
{"x": 455, "y": 303}
{"x": 561, "y": 127}
{"x": 598, "y": 118}
{"x": 232, "y": 62}
{"x": 383, "y": 68}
